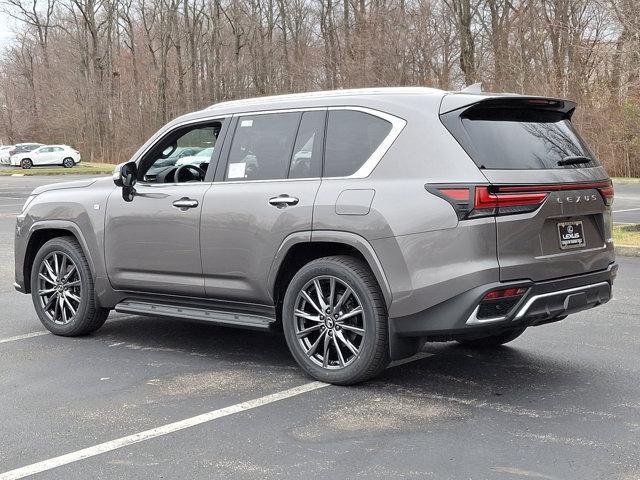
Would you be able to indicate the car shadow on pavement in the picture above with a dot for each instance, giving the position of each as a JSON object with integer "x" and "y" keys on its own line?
{"x": 450, "y": 369}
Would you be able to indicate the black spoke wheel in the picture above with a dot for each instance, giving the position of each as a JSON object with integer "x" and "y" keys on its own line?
{"x": 26, "y": 163}
{"x": 335, "y": 321}
{"x": 68, "y": 162}
{"x": 62, "y": 289}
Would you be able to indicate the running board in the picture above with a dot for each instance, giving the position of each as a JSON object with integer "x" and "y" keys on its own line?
{"x": 219, "y": 317}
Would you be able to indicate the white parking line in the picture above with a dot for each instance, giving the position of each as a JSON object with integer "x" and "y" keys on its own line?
{"x": 626, "y": 210}
{"x": 173, "y": 427}
{"x": 157, "y": 432}
{"x": 23, "y": 336}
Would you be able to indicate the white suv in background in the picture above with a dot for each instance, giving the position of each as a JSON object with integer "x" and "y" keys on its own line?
{"x": 47, "y": 155}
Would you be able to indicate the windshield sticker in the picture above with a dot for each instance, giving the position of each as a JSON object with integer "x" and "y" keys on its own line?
{"x": 246, "y": 123}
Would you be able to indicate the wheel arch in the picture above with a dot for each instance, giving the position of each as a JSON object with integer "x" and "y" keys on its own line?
{"x": 42, "y": 232}
{"x": 300, "y": 248}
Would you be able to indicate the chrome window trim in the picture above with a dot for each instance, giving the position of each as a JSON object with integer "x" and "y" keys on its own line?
{"x": 397, "y": 125}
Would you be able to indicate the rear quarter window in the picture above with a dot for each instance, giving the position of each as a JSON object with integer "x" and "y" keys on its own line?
{"x": 352, "y": 137}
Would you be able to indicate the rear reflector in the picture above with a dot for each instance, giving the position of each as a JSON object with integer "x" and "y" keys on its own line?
{"x": 503, "y": 293}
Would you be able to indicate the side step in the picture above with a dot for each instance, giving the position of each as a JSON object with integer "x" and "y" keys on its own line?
{"x": 219, "y": 317}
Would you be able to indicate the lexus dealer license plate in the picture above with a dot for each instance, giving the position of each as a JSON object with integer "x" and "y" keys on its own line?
{"x": 571, "y": 235}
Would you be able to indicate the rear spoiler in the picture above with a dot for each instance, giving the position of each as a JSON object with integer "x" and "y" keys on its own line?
{"x": 463, "y": 100}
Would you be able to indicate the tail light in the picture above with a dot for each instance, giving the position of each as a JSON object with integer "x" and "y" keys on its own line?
{"x": 475, "y": 201}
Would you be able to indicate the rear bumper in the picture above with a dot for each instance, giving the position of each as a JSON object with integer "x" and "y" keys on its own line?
{"x": 542, "y": 303}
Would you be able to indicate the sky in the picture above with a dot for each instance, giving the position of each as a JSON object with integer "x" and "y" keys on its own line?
{"x": 6, "y": 26}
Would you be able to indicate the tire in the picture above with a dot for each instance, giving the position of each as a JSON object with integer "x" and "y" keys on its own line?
{"x": 366, "y": 332}
{"x": 493, "y": 341}
{"x": 76, "y": 284}
{"x": 68, "y": 162}
{"x": 26, "y": 163}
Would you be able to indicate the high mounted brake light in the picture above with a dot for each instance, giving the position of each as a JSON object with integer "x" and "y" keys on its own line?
{"x": 474, "y": 201}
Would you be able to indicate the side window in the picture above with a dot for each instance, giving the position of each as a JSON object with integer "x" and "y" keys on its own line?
{"x": 45, "y": 150}
{"x": 352, "y": 137}
{"x": 261, "y": 147}
{"x": 306, "y": 161}
{"x": 192, "y": 146}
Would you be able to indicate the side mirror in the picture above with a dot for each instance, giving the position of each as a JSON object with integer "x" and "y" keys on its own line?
{"x": 125, "y": 176}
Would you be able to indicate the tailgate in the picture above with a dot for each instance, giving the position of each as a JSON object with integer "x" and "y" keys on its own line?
{"x": 550, "y": 197}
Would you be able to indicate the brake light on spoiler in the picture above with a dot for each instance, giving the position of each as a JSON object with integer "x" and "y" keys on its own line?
{"x": 474, "y": 201}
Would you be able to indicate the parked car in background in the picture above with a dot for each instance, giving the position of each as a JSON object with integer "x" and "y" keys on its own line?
{"x": 47, "y": 155}
{"x": 5, "y": 154}
{"x": 24, "y": 147}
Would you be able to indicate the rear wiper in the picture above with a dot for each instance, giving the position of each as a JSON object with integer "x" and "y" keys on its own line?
{"x": 573, "y": 160}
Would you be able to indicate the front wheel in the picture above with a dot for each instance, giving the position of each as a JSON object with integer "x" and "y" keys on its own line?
{"x": 493, "y": 341}
{"x": 62, "y": 289}
{"x": 335, "y": 321}
{"x": 26, "y": 163}
{"x": 68, "y": 163}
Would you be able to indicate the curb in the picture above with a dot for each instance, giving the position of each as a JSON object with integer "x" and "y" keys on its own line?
{"x": 627, "y": 250}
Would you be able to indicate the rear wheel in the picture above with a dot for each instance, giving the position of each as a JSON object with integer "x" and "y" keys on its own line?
{"x": 62, "y": 289}
{"x": 68, "y": 162}
{"x": 494, "y": 340}
{"x": 26, "y": 163}
{"x": 335, "y": 321}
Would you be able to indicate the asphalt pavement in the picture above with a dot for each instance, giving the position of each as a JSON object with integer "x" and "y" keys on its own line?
{"x": 560, "y": 402}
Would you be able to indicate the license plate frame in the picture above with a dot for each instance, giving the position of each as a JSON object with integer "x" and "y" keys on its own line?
{"x": 571, "y": 235}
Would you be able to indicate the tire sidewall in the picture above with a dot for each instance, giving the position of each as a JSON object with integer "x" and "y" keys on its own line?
{"x": 367, "y": 350}
{"x": 60, "y": 245}
{"x": 68, "y": 162}
{"x": 26, "y": 163}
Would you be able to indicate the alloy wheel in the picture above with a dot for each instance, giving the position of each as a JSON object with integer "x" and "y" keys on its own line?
{"x": 59, "y": 287}
{"x": 329, "y": 322}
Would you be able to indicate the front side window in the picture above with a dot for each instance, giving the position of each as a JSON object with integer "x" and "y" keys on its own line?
{"x": 352, "y": 137}
{"x": 183, "y": 156}
{"x": 262, "y": 146}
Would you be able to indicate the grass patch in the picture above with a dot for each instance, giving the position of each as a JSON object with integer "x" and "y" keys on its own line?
{"x": 623, "y": 180}
{"x": 85, "y": 168}
{"x": 626, "y": 235}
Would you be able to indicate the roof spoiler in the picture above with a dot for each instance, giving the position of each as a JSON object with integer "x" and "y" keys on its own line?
{"x": 464, "y": 100}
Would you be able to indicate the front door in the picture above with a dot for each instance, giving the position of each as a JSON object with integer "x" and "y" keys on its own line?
{"x": 152, "y": 243}
{"x": 264, "y": 193}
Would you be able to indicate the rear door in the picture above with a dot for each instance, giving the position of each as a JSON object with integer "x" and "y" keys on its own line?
{"x": 262, "y": 194}
{"x": 550, "y": 196}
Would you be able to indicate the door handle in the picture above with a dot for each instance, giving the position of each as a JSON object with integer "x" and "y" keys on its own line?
{"x": 185, "y": 203}
{"x": 283, "y": 200}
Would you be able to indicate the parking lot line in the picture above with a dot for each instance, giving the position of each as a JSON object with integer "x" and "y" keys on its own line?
{"x": 157, "y": 432}
{"x": 23, "y": 336}
{"x": 626, "y": 210}
{"x": 109, "y": 446}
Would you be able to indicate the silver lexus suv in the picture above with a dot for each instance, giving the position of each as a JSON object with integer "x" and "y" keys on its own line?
{"x": 360, "y": 222}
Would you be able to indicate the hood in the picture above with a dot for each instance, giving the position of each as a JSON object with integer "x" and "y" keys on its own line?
{"x": 63, "y": 185}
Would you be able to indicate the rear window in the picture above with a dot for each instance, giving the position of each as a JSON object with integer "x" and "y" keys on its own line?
{"x": 523, "y": 139}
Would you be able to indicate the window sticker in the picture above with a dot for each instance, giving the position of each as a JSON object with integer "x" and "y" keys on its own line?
{"x": 246, "y": 123}
{"x": 237, "y": 170}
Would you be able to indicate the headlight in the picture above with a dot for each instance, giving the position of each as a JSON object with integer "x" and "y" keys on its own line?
{"x": 30, "y": 199}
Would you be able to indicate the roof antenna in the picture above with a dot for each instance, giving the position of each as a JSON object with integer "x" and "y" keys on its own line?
{"x": 475, "y": 88}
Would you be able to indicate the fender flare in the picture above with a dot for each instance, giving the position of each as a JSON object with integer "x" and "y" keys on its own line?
{"x": 332, "y": 236}
{"x": 72, "y": 228}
